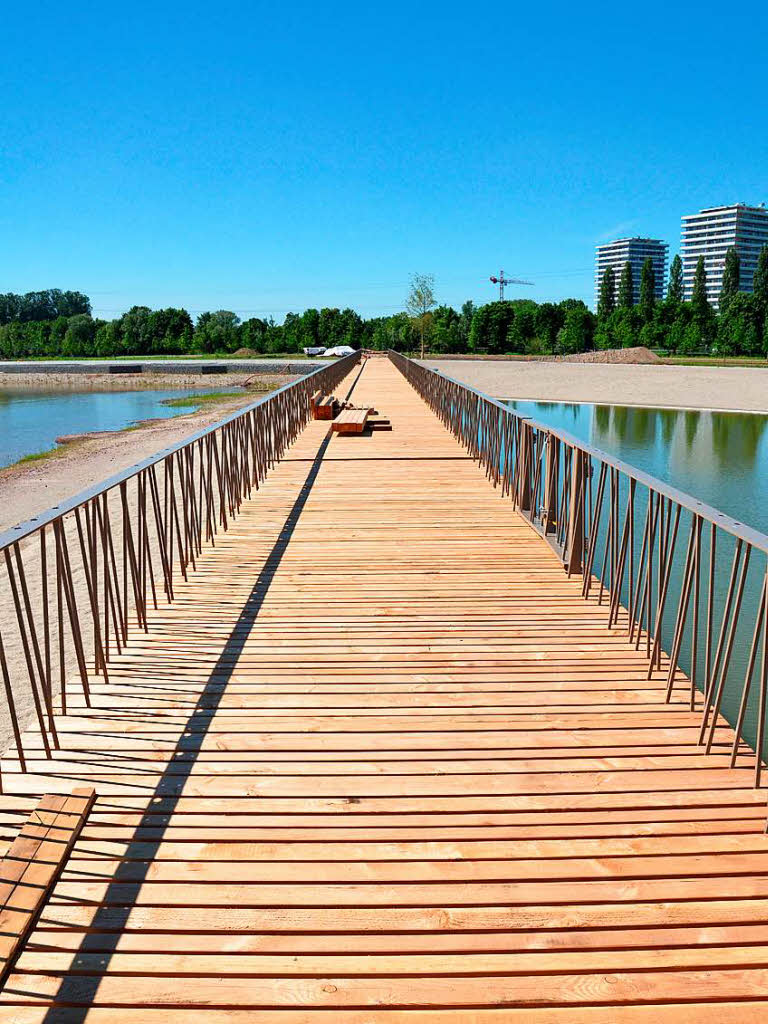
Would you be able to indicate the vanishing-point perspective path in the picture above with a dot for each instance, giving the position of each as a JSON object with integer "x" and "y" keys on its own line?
{"x": 380, "y": 762}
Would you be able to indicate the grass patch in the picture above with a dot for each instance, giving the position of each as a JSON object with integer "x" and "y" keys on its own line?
{"x": 35, "y": 457}
{"x": 210, "y": 398}
{"x": 745, "y": 361}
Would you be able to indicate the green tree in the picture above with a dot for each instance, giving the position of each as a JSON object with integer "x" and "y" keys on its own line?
{"x": 675, "y": 291}
{"x": 420, "y": 300}
{"x": 731, "y": 275}
{"x": 549, "y": 319}
{"x": 607, "y": 300}
{"x": 626, "y": 287}
{"x": 577, "y": 332}
{"x": 253, "y": 334}
{"x": 109, "y": 340}
{"x": 739, "y": 327}
{"x": 80, "y": 336}
{"x": 523, "y": 331}
{"x": 760, "y": 282}
{"x": 351, "y": 328}
{"x": 43, "y": 305}
{"x": 702, "y": 331}
{"x": 647, "y": 290}
{"x": 169, "y": 331}
{"x": 465, "y": 324}
{"x": 676, "y": 328}
{"x": 217, "y": 332}
{"x": 490, "y": 326}
{"x": 135, "y": 330}
{"x": 445, "y": 330}
{"x": 699, "y": 299}
{"x": 624, "y": 325}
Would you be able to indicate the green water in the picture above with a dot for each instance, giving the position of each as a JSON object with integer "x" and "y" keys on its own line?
{"x": 718, "y": 458}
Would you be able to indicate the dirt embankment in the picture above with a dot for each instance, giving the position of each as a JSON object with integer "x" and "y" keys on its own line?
{"x": 130, "y": 382}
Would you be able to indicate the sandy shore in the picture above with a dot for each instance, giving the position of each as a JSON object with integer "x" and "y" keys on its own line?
{"x": 30, "y": 488}
{"x": 731, "y": 388}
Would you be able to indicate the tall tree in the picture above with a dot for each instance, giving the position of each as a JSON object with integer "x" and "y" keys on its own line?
{"x": 760, "y": 281}
{"x": 420, "y": 301}
{"x": 731, "y": 275}
{"x": 549, "y": 319}
{"x": 626, "y": 287}
{"x": 738, "y": 327}
{"x": 675, "y": 290}
{"x": 607, "y": 301}
{"x": 647, "y": 290}
{"x": 465, "y": 323}
{"x": 699, "y": 299}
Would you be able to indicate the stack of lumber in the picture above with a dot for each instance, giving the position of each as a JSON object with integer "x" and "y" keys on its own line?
{"x": 324, "y": 408}
{"x": 351, "y": 421}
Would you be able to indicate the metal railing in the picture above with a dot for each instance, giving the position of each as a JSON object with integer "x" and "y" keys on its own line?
{"x": 75, "y": 580}
{"x": 687, "y": 583}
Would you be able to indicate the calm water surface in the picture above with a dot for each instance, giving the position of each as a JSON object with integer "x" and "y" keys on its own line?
{"x": 31, "y": 421}
{"x": 719, "y": 458}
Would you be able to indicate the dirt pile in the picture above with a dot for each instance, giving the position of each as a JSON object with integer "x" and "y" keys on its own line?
{"x": 640, "y": 354}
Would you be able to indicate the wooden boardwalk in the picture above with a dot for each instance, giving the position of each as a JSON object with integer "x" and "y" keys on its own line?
{"x": 380, "y": 762}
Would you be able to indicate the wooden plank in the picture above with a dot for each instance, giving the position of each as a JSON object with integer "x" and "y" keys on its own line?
{"x": 681, "y": 1013}
{"x": 30, "y": 868}
{"x": 562, "y": 990}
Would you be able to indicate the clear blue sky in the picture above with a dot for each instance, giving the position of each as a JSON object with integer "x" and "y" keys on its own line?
{"x": 266, "y": 157}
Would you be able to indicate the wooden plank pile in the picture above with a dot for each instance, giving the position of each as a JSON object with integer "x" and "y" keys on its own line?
{"x": 351, "y": 421}
{"x": 323, "y": 406}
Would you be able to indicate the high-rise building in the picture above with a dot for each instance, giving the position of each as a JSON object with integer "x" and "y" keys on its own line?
{"x": 635, "y": 251}
{"x": 711, "y": 233}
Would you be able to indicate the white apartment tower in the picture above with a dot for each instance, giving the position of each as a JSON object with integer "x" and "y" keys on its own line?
{"x": 711, "y": 233}
{"x": 635, "y": 251}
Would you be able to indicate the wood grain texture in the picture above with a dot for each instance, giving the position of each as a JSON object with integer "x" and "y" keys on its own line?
{"x": 33, "y": 863}
{"x": 380, "y": 762}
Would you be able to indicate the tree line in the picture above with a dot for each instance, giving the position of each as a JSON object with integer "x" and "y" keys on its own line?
{"x": 54, "y": 323}
{"x": 520, "y": 326}
{"x": 46, "y": 305}
{"x": 739, "y": 326}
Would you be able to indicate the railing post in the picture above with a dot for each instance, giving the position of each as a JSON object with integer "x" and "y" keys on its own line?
{"x": 575, "y": 546}
{"x": 550, "y": 484}
{"x": 525, "y": 455}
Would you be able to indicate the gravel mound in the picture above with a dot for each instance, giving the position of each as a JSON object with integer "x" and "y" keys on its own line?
{"x": 640, "y": 354}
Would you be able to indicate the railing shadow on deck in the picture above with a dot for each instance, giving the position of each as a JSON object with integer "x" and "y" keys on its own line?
{"x": 79, "y": 579}
{"x": 79, "y": 986}
{"x": 701, "y": 601}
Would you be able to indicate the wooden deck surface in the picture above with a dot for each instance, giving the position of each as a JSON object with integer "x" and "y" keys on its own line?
{"x": 381, "y": 763}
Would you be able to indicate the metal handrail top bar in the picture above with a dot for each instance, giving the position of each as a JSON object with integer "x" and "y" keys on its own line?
{"x": 700, "y": 508}
{"x": 26, "y": 528}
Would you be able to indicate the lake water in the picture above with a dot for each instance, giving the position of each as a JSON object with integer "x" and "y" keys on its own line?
{"x": 30, "y": 421}
{"x": 719, "y": 458}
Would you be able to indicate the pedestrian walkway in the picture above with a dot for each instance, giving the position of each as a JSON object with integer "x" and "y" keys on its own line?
{"x": 380, "y": 762}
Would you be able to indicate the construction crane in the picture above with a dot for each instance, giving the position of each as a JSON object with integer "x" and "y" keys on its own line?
{"x": 502, "y": 281}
